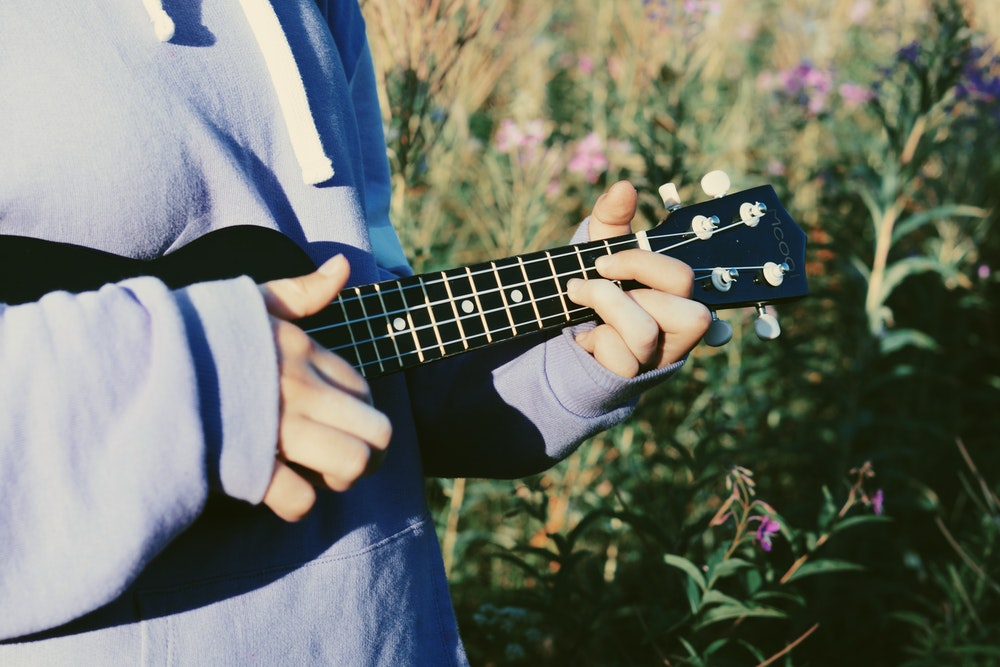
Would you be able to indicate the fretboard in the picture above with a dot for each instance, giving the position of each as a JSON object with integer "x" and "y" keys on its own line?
{"x": 390, "y": 326}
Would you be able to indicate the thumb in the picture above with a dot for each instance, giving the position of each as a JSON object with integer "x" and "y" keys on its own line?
{"x": 613, "y": 212}
{"x": 292, "y": 298}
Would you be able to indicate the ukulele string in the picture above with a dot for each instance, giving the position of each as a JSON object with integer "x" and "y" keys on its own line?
{"x": 566, "y": 314}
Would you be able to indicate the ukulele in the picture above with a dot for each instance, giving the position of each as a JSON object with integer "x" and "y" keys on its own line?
{"x": 745, "y": 249}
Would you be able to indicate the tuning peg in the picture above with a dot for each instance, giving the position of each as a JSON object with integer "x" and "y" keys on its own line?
{"x": 766, "y": 325}
{"x": 719, "y": 332}
{"x": 715, "y": 183}
{"x": 671, "y": 199}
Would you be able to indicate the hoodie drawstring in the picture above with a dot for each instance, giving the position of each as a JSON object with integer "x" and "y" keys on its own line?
{"x": 163, "y": 25}
{"x": 285, "y": 78}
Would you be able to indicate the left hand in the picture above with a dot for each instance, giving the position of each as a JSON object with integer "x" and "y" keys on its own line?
{"x": 642, "y": 329}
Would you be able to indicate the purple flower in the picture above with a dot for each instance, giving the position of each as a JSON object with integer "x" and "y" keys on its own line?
{"x": 877, "y": 502}
{"x": 804, "y": 84}
{"x": 983, "y": 271}
{"x": 909, "y": 53}
{"x": 765, "y": 530}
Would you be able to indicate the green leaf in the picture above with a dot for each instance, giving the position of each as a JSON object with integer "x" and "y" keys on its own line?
{"x": 726, "y": 568}
{"x": 917, "y": 220}
{"x": 733, "y": 611}
{"x": 900, "y": 338}
{"x": 689, "y": 568}
{"x": 714, "y": 597}
{"x": 857, "y": 520}
{"x": 903, "y": 268}
{"x": 824, "y": 567}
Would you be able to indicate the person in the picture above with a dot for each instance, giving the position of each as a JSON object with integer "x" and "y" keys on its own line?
{"x": 186, "y": 477}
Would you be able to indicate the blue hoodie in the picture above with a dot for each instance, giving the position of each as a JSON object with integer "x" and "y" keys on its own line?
{"x": 138, "y": 423}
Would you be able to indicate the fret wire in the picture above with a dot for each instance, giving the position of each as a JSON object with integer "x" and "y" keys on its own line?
{"x": 556, "y": 276}
{"x": 350, "y": 330}
{"x": 579, "y": 258}
{"x": 430, "y": 311}
{"x": 371, "y": 332}
{"x": 388, "y": 321}
{"x": 479, "y": 306}
{"x": 531, "y": 294}
{"x": 409, "y": 320}
{"x": 503, "y": 297}
{"x": 556, "y": 322}
{"x": 454, "y": 310}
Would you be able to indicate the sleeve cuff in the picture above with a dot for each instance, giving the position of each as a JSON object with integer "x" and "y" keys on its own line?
{"x": 585, "y": 387}
{"x": 236, "y": 364}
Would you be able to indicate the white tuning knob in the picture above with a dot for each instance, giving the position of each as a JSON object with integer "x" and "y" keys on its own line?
{"x": 719, "y": 332}
{"x": 668, "y": 193}
{"x": 766, "y": 326}
{"x": 715, "y": 183}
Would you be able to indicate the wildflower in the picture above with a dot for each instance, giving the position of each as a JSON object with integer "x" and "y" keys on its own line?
{"x": 860, "y": 11}
{"x": 854, "y": 95}
{"x": 589, "y": 159}
{"x": 806, "y": 85}
{"x": 983, "y": 271}
{"x": 909, "y": 53}
{"x": 877, "y": 502}
{"x": 765, "y": 530}
{"x": 523, "y": 140}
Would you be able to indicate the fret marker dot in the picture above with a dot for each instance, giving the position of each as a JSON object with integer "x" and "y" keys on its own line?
{"x": 399, "y": 324}
{"x": 468, "y": 306}
{"x": 516, "y": 296}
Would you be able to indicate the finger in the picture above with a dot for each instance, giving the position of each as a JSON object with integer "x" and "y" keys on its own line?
{"x": 613, "y": 212}
{"x": 289, "y": 495}
{"x": 683, "y": 321}
{"x": 337, "y": 457}
{"x": 651, "y": 269}
{"x": 337, "y": 372}
{"x": 292, "y": 298}
{"x": 607, "y": 347}
{"x": 300, "y": 357}
{"x": 310, "y": 397}
{"x": 637, "y": 328}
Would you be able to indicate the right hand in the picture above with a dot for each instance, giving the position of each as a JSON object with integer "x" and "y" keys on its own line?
{"x": 327, "y": 425}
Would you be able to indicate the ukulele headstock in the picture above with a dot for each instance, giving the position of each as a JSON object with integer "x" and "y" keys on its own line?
{"x": 745, "y": 249}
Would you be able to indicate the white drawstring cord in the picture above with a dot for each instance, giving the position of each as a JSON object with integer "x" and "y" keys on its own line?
{"x": 163, "y": 25}
{"x": 287, "y": 81}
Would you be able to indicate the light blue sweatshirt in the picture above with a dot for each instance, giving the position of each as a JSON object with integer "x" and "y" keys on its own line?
{"x": 138, "y": 424}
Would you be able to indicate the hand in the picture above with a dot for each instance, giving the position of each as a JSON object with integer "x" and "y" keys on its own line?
{"x": 643, "y": 329}
{"x": 327, "y": 426}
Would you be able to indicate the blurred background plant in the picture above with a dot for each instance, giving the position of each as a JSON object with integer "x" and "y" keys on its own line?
{"x": 877, "y": 123}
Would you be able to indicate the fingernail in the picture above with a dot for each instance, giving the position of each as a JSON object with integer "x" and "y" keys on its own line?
{"x": 601, "y": 263}
{"x": 331, "y": 266}
{"x": 572, "y": 285}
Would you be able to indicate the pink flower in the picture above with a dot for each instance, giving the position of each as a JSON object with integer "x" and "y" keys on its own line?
{"x": 589, "y": 159}
{"x": 765, "y": 530}
{"x": 878, "y": 501}
{"x": 854, "y": 95}
{"x": 512, "y": 138}
{"x": 860, "y": 11}
{"x": 586, "y": 65}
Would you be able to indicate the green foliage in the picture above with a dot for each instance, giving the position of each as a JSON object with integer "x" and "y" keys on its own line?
{"x": 877, "y": 124}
